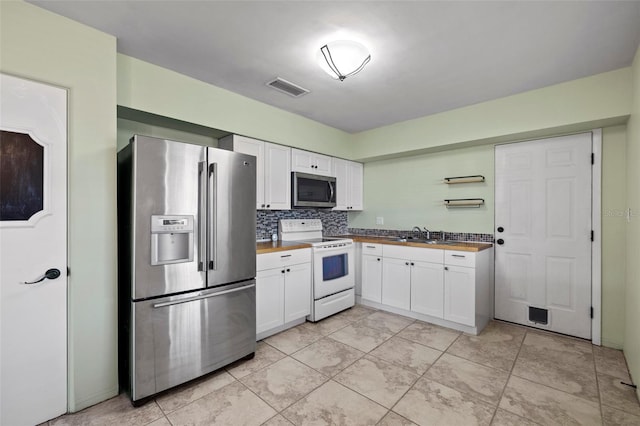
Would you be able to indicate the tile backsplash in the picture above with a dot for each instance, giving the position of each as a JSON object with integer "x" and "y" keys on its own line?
{"x": 336, "y": 223}
{"x": 333, "y": 222}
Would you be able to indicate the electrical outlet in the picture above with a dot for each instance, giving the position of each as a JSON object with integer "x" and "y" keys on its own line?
{"x": 379, "y": 220}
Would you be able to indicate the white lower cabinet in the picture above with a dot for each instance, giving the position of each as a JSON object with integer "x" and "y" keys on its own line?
{"x": 283, "y": 290}
{"x": 396, "y": 283}
{"x": 427, "y": 289}
{"x": 447, "y": 287}
{"x": 459, "y": 294}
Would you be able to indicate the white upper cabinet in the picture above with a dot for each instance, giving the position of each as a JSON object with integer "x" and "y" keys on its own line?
{"x": 310, "y": 162}
{"x": 349, "y": 184}
{"x": 273, "y": 170}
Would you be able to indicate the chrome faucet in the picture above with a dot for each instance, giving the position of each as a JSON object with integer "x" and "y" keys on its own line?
{"x": 426, "y": 234}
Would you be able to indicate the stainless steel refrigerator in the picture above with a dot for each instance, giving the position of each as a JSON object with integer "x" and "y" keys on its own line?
{"x": 187, "y": 263}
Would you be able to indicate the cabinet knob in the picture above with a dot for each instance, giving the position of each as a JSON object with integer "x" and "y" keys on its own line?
{"x": 412, "y": 264}
{"x": 268, "y": 205}
{"x": 263, "y": 205}
{"x": 446, "y": 268}
{"x": 282, "y": 271}
{"x": 378, "y": 259}
{"x": 288, "y": 270}
{"x": 500, "y": 229}
{"x": 500, "y": 241}
{"x": 406, "y": 263}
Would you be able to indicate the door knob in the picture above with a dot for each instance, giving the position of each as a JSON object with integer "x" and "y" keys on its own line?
{"x": 500, "y": 241}
{"x": 51, "y": 274}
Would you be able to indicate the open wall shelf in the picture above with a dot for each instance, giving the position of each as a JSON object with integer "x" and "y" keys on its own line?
{"x": 464, "y": 202}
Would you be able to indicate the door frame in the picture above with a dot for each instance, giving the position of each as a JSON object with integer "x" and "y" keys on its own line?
{"x": 596, "y": 226}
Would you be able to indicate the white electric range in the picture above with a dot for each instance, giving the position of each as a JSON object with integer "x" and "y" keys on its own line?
{"x": 333, "y": 273}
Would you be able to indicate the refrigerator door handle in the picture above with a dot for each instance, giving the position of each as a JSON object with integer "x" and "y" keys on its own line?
{"x": 202, "y": 236}
{"x": 212, "y": 222}
{"x": 203, "y": 296}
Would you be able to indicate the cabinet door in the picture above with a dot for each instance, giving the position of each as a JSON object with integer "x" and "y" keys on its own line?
{"x": 396, "y": 283}
{"x": 253, "y": 147}
{"x": 459, "y": 294}
{"x": 269, "y": 299}
{"x": 302, "y": 161}
{"x": 323, "y": 165}
{"x": 427, "y": 288}
{"x": 277, "y": 177}
{"x": 372, "y": 278}
{"x": 341, "y": 172}
{"x": 355, "y": 183}
{"x": 297, "y": 292}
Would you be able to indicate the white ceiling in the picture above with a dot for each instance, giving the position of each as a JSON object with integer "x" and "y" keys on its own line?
{"x": 427, "y": 57}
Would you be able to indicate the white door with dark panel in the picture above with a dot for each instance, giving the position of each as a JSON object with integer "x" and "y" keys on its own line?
{"x": 543, "y": 233}
{"x": 33, "y": 251}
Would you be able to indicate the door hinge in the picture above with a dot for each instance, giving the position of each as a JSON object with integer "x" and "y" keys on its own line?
{"x": 593, "y": 158}
{"x": 68, "y": 271}
{"x": 592, "y": 235}
{"x": 591, "y": 312}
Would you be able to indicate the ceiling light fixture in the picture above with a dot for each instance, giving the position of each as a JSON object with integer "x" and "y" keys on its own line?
{"x": 343, "y": 58}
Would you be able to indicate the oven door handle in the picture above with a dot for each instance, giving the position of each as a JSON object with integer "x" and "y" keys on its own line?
{"x": 345, "y": 249}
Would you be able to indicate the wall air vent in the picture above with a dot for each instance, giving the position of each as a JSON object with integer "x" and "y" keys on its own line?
{"x": 284, "y": 86}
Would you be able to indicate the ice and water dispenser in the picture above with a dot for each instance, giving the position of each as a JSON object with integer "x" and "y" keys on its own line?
{"x": 171, "y": 239}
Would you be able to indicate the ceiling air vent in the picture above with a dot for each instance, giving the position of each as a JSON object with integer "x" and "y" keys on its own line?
{"x": 284, "y": 86}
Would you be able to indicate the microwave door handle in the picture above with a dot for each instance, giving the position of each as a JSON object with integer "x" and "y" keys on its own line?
{"x": 332, "y": 192}
{"x": 202, "y": 236}
{"x": 213, "y": 216}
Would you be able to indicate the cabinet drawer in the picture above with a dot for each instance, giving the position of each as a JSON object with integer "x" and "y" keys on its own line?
{"x": 372, "y": 249}
{"x": 413, "y": 253}
{"x": 460, "y": 258}
{"x": 282, "y": 258}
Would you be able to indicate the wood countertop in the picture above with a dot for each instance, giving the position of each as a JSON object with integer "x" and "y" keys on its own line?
{"x": 460, "y": 246}
{"x": 274, "y": 246}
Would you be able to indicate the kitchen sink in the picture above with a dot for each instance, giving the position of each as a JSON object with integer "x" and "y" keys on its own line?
{"x": 420, "y": 240}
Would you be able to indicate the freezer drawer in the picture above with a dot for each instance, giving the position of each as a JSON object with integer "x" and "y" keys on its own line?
{"x": 179, "y": 338}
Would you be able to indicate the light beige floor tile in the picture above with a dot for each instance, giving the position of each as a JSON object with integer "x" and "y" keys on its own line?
{"x": 611, "y": 361}
{"x": 497, "y": 346}
{"x": 265, "y": 356}
{"x": 278, "y": 420}
{"x": 404, "y": 353}
{"x": 616, "y": 395}
{"x": 328, "y": 325}
{"x": 394, "y": 419}
{"x": 360, "y": 337}
{"x": 505, "y": 418}
{"x": 284, "y": 382}
{"x": 328, "y": 356}
{"x": 548, "y": 406}
{"x": 232, "y": 405}
{"x": 483, "y": 383}
{"x": 378, "y": 380}
{"x": 391, "y": 323}
{"x": 294, "y": 339}
{"x": 431, "y": 403}
{"x": 160, "y": 422}
{"x": 613, "y": 417}
{"x": 333, "y": 404}
{"x": 558, "y": 363}
{"x": 430, "y": 335}
{"x": 184, "y": 395}
{"x": 113, "y": 411}
{"x": 356, "y": 313}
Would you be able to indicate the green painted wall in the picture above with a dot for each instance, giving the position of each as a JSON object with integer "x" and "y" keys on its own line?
{"x": 614, "y": 202}
{"x": 127, "y": 128}
{"x": 146, "y": 87}
{"x": 632, "y": 296}
{"x": 409, "y": 192}
{"x": 597, "y": 101}
{"x": 40, "y": 45}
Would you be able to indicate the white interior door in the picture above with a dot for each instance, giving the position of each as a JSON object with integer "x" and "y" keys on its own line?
{"x": 33, "y": 240}
{"x": 543, "y": 234}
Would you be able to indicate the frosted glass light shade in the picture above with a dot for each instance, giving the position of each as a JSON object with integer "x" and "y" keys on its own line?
{"x": 343, "y": 58}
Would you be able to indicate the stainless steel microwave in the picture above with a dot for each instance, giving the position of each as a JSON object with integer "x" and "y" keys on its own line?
{"x": 309, "y": 190}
